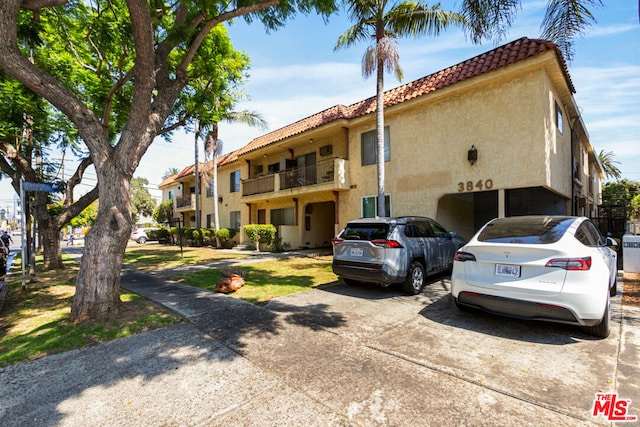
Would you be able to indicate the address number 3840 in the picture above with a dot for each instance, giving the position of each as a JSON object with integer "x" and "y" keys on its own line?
{"x": 478, "y": 185}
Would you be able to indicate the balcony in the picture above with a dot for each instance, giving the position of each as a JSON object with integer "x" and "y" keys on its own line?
{"x": 186, "y": 203}
{"x": 327, "y": 175}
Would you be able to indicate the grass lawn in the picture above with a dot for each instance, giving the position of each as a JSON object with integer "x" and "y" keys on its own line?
{"x": 36, "y": 322}
{"x": 155, "y": 256}
{"x": 270, "y": 279}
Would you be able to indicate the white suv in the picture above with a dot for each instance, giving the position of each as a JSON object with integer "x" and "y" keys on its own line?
{"x": 142, "y": 235}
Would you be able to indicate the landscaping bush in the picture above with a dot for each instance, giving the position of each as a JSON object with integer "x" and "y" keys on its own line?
{"x": 208, "y": 236}
{"x": 260, "y": 233}
{"x": 163, "y": 235}
{"x": 196, "y": 236}
{"x": 224, "y": 235}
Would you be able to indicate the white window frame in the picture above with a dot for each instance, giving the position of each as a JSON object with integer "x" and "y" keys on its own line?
{"x": 375, "y": 204}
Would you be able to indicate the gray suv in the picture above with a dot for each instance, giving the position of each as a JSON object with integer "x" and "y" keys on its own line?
{"x": 393, "y": 250}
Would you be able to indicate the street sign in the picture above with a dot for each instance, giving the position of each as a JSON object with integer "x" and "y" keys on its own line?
{"x": 45, "y": 187}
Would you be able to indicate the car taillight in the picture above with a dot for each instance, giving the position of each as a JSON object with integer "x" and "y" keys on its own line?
{"x": 464, "y": 256}
{"x": 571, "y": 263}
{"x": 386, "y": 243}
{"x": 336, "y": 241}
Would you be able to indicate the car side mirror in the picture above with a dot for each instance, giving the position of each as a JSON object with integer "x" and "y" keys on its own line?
{"x": 612, "y": 243}
{"x": 452, "y": 234}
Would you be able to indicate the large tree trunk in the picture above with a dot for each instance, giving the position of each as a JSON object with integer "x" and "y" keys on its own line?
{"x": 98, "y": 284}
{"x": 50, "y": 238}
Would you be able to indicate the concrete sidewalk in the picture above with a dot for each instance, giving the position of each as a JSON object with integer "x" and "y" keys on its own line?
{"x": 287, "y": 364}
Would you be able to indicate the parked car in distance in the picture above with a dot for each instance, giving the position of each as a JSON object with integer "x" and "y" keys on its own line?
{"x": 551, "y": 268}
{"x": 143, "y": 235}
{"x": 399, "y": 250}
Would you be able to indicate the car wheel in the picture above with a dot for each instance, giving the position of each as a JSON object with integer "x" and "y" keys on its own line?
{"x": 602, "y": 329}
{"x": 142, "y": 240}
{"x": 415, "y": 279}
{"x": 613, "y": 290}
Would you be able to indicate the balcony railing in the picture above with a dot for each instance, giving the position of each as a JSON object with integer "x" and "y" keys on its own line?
{"x": 186, "y": 202}
{"x": 333, "y": 171}
{"x": 263, "y": 184}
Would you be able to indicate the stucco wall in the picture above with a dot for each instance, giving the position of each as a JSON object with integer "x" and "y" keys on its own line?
{"x": 507, "y": 119}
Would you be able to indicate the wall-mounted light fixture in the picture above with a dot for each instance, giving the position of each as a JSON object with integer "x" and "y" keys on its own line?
{"x": 311, "y": 141}
{"x": 472, "y": 154}
{"x": 219, "y": 199}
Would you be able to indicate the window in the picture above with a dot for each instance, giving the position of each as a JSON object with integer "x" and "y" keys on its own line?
{"x": 284, "y": 216}
{"x": 368, "y": 147}
{"x": 438, "y": 230}
{"x": 273, "y": 168}
{"x": 234, "y": 182}
{"x": 210, "y": 189}
{"x": 209, "y": 220}
{"x": 558, "y": 117}
{"x": 370, "y": 206}
{"x": 171, "y": 196}
{"x": 234, "y": 220}
{"x": 588, "y": 235}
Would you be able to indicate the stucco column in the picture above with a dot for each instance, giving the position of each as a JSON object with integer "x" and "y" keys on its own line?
{"x": 501, "y": 204}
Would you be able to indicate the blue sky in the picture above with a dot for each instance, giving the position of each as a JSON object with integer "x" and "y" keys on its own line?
{"x": 295, "y": 73}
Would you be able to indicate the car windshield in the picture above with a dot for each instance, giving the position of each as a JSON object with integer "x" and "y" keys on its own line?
{"x": 526, "y": 230}
{"x": 365, "y": 231}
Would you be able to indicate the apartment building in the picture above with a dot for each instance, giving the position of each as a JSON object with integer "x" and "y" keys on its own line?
{"x": 497, "y": 135}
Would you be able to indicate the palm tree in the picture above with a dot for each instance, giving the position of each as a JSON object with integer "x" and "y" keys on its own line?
{"x": 384, "y": 21}
{"x": 608, "y": 164}
{"x": 213, "y": 147}
{"x": 564, "y": 20}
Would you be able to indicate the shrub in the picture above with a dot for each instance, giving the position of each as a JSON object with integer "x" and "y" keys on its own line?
{"x": 260, "y": 233}
{"x": 207, "y": 236}
{"x": 163, "y": 235}
{"x": 187, "y": 233}
{"x": 277, "y": 245}
{"x": 196, "y": 236}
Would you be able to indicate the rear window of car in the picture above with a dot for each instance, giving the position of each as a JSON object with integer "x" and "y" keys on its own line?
{"x": 525, "y": 230}
{"x": 365, "y": 231}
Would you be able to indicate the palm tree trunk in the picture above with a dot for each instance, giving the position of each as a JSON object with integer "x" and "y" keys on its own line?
{"x": 380, "y": 136}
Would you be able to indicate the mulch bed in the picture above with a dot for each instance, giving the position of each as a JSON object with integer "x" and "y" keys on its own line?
{"x": 631, "y": 294}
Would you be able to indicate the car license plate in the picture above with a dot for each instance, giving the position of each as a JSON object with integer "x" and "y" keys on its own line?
{"x": 507, "y": 270}
{"x": 356, "y": 251}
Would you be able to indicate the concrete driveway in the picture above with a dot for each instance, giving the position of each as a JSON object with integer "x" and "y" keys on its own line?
{"x": 552, "y": 366}
{"x": 336, "y": 356}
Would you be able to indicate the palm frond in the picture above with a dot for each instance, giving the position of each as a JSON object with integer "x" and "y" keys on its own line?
{"x": 415, "y": 19}
{"x": 565, "y": 20}
{"x": 357, "y": 33}
{"x": 488, "y": 19}
{"x": 608, "y": 164}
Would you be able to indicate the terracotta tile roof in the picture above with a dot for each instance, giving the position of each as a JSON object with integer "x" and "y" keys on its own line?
{"x": 191, "y": 170}
{"x": 500, "y": 57}
{"x": 167, "y": 181}
{"x": 329, "y": 115}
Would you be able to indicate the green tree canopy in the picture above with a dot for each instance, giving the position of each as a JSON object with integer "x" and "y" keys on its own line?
{"x": 142, "y": 203}
{"x": 149, "y": 65}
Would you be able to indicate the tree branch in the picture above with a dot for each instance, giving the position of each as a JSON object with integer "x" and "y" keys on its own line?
{"x": 74, "y": 210}
{"x": 75, "y": 180}
{"x": 15, "y": 64}
{"x": 41, "y": 4}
